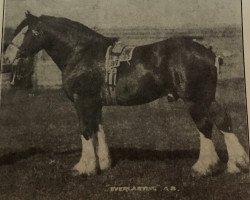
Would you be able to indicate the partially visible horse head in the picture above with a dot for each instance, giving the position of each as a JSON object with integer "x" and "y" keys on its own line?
{"x": 28, "y": 40}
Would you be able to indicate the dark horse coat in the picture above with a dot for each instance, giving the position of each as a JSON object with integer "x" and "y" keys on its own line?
{"x": 177, "y": 65}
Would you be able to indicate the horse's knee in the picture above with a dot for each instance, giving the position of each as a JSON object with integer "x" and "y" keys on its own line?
{"x": 87, "y": 133}
{"x": 89, "y": 126}
{"x": 205, "y": 126}
{"x": 89, "y": 117}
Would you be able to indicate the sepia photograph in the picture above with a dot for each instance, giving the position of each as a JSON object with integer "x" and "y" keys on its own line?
{"x": 123, "y": 99}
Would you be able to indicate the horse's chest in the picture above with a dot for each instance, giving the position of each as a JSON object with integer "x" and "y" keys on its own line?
{"x": 83, "y": 81}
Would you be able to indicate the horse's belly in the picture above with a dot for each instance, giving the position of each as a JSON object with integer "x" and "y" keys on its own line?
{"x": 136, "y": 91}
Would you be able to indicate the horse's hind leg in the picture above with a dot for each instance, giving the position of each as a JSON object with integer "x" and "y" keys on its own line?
{"x": 208, "y": 157}
{"x": 237, "y": 157}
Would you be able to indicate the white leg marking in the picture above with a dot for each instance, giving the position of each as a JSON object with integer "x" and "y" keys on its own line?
{"x": 87, "y": 163}
{"x": 236, "y": 153}
{"x": 103, "y": 151}
{"x": 208, "y": 157}
{"x": 12, "y": 49}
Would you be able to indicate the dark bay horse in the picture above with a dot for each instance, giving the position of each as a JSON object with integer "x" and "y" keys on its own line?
{"x": 177, "y": 65}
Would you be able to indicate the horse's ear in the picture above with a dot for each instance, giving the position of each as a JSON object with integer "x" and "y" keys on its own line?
{"x": 29, "y": 16}
{"x": 27, "y": 13}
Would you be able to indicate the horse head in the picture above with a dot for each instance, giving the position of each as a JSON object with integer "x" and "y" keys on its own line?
{"x": 28, "y": 40}
{"x": 59, "y": 37}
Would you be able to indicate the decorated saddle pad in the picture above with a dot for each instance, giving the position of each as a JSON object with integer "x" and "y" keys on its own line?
{"x": 115, "y": 55}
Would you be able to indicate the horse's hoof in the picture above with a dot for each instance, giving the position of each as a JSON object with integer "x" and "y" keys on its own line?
{"x": 199, "y": 170}
{"x": 245, "y": 169}
{"x": 83, "y": 169}
{"x": 232, "y": 169}
{"x": 199, "y": 174}
{"x": 104, "y": 164}
{"x": 243, "y": 162}
{"x": 75, "y": 172}
{"x": 240, "y": 164}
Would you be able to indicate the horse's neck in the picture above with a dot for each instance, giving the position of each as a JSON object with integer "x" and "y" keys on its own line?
{"x": 59, "y": 53}
{"x": 63, "y": 55}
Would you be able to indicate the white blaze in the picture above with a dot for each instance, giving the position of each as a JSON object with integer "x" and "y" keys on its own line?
{"x": 12, "y": 49}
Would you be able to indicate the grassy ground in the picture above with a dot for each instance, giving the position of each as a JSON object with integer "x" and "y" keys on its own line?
{"x": 151, "y": 145}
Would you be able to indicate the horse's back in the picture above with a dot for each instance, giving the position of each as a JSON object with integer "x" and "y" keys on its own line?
{"x": 175, "y": 65}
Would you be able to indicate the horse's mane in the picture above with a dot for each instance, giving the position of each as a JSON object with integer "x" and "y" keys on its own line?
{"x": 66, "y": 25}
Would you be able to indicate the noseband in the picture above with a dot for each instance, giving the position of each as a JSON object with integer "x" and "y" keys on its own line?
{"x": 20, "y": 51}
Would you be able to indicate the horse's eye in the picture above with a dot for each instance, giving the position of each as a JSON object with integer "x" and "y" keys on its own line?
{"x": 35, "y": 32}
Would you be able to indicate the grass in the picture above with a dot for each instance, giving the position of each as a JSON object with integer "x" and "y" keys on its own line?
{"x": 151, "y": 145}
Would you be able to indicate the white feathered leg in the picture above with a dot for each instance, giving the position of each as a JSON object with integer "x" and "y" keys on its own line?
{"x": 208, "y": 157}
{"x": 102, "y": 150}
{"x": 236, "y": 154}
{"x": 87, "y": 163}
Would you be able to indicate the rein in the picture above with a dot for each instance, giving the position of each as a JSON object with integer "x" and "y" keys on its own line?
{"x": 16, "y": 74}
{"x": 16, "y": 68}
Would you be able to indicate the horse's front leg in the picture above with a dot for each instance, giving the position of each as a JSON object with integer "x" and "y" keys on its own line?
{"x": 103, "y": 151}
{"x": 89, "y": 113}
{"x": 87, "y": 162}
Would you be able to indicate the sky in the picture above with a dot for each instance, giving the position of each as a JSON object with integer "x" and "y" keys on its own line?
{"x": 131, "y": 13}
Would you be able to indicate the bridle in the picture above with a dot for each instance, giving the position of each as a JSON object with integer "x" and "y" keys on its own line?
{"x": 16, "y": 68}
